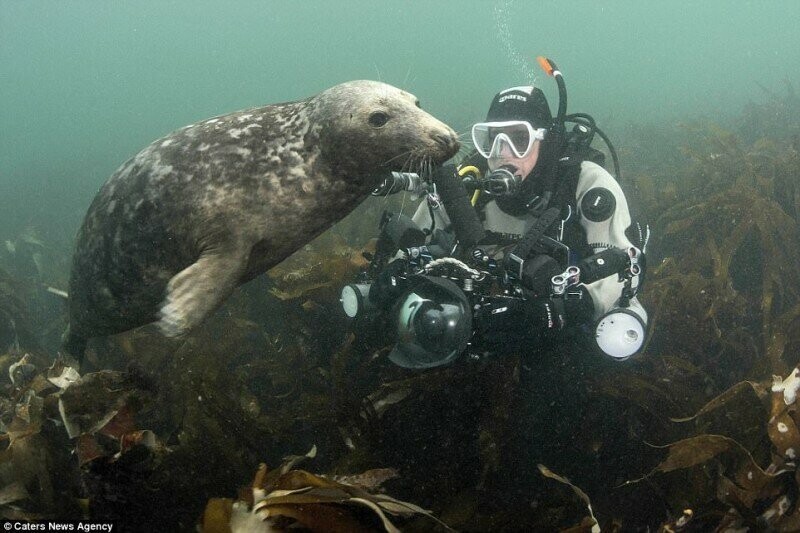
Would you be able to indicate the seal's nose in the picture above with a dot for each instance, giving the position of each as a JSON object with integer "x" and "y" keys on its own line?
{"x": 448, "y": 141}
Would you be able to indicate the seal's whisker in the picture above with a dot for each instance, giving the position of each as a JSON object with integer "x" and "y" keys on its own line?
{"x": 465, "y": 148}
{"x": 415, "y": 162}
{"x": 403, "y": 202}
{"x": 409, "y": 163}
{"x": 392, "y": 159}
{"x": 398, "y": 156}
{"x": 421, "y": 165}
{"x": 408, "y": 73}
{"x": 465, "y": 137}
{"x": 404, "y": 166}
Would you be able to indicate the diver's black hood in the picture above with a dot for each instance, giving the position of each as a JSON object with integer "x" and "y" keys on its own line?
{"x": 521, "y": 103}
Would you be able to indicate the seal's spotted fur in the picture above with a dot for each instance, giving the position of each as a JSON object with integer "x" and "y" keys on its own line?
{"x": 214, "y": 204}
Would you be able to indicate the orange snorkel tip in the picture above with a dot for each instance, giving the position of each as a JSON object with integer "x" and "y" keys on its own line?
{"x": 546, "y": 65}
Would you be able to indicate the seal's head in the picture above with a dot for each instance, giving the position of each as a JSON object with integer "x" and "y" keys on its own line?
{"x": 369, "y": 126}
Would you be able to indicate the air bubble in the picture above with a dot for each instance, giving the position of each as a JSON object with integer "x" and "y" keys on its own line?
{"x": 501, "y": 21}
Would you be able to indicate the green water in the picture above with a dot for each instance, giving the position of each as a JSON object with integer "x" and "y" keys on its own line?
{"x": 85, "y": 84}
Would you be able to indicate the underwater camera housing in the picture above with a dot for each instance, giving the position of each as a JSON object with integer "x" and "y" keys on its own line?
{"x": 431, "y": 305}
{"x": 433, "y": 323}
{"x": 421, "y": 290}
{"x": 428, "y": 316}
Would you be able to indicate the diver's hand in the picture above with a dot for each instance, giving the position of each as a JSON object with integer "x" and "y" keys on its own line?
{"x": 546, "y": 315}
{"x": 446, "y": 179}
{"x": 511, "y": 324}
{"x": 465, "y": 222}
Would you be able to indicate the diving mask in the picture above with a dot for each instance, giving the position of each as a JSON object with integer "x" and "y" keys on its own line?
{"x": 518, "y": 136}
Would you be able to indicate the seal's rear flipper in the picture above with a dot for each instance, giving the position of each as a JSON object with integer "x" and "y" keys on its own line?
{"x": 195, "y": 292}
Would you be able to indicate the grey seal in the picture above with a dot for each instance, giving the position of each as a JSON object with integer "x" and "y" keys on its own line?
{"x": 210, "y": 206}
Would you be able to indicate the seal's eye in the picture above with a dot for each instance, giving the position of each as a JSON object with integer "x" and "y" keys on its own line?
{"x": 378, "y": 119}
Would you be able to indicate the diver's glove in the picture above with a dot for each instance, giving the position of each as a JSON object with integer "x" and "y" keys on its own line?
{"x": 463, "y": 218}
{"x": 506, "y": 324}
{"x": 446, "y": 180}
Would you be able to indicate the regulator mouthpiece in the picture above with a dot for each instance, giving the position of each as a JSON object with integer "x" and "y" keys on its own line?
{"x": 502, "y": 182}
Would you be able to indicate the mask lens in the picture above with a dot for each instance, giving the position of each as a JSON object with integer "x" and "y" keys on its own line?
{"x": 482, "y": 139}
{"x": 490, "y": 137}
{"x": 520, "y": 138}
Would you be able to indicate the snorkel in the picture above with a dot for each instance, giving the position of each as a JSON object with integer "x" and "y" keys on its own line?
{"x": 585, "y": 126}
{"x": 550, "y": 68}
{"x": 555, "y": 139}
{"x": 562, "y": 146}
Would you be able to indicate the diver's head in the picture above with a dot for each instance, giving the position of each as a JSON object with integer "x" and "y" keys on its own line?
{"x": 515, "y": 125}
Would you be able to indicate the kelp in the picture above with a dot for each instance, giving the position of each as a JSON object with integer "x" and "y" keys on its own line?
{"x": 286, "y": 499}
{"x": 759, "y": 497}
{"x": 37, "y": 471}
{"x": 35, "y": 462}
{"x": 777, "y": 115}
{"x": 23, "y": 254}
{"x": 324, "y": 264}
{"x": 724, "y": 298}
{"x": 225, "y": 394}
{"x": 16, "y": 322}
{"x": 731, "y": 247}
{"x": 589, "y": 524}
{"x": 32, "y": 306}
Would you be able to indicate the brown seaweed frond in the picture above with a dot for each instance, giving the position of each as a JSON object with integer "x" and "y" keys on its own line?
{"x": 743, "y": 252}
{"x": 286, "y": 498}
{"x": 325, "y": 264}
{"x": 760, "y": 490}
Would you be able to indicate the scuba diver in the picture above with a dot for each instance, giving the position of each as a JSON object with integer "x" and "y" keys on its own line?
{"x": 521, "y": 243}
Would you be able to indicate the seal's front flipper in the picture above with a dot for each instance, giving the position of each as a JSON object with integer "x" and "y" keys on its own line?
{"x": 195, "y": 292}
